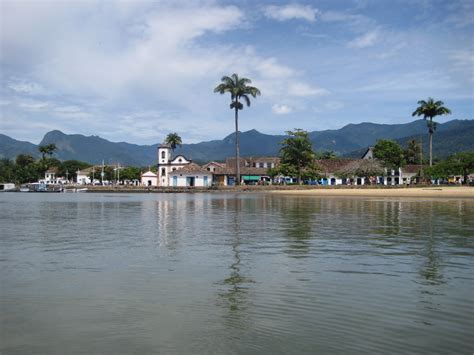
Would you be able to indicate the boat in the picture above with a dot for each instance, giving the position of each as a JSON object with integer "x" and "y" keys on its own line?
{"x": 75, "y": 190}
{"x": 5, "y": 187}
{"x": 40, "y": 187}
{"x": 25, "y": 188}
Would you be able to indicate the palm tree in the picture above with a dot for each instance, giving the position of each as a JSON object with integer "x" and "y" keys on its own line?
{"x": 174, "y": 140}
{"x": 47, "y": 149}
{"x": 430, "y": 109}
{"x": 238, "y": 89}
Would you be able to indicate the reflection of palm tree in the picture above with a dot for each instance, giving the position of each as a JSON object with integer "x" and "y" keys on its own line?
{"x": 236, "y": 294}
{"x": 431, "y": 271}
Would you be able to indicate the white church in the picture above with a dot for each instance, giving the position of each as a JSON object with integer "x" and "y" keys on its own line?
{"x": 177, "y": 172}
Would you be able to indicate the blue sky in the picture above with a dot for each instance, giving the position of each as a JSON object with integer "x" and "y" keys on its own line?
{"x": 136, "y": 70}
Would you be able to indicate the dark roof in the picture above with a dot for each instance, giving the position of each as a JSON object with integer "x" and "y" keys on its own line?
{"x": 164, "y": 145}
{"x": 413, "y": 168}
{"x": 52, "y": 170}
{"x": 190, "y": 168}
{"x": 330, "y": 166}
{"x": 243, "y": 171}
{"x": 220, "y": 165}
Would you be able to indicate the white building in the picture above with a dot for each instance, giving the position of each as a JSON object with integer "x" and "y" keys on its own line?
{"x": 167, "y": 164}
{"x": 191, "y": 175}
{"x": 51, "y": 178}
{"x": 149, "y": 179}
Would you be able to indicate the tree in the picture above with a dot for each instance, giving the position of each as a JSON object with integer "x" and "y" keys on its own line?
{"x": 390, "y": 153}
{"x": 327, "y": 154}
{"x": 430, "y": 109}
{"x": 174, "y": 140}
{"x": 47, "y": 149}
{"x": 297, "y": 152}
{"x": 238, "y": 89}
{"x": 457, "y": 164}
{"x": 413, "y": 152}
{"x": 23, "y": 160}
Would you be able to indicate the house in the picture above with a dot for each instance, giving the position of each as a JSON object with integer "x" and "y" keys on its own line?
{"x": 50, "y": 177}
{"x": 369, "y": 153}
{"x": 255, "y": 162}
{"x": 248, "y": 175}
{"x": 149, "y": 178}
{"x": 331, "y": 168}
{"x": 213, "y": 165}
{"x": 84, "y": 176}
{"x": 191, "y": 175}
{"x": 167, "y": 164}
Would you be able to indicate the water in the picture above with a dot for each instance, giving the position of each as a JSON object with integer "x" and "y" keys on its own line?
{"x": 224, "y": 273}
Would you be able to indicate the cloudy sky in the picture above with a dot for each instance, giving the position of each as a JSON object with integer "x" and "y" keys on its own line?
{"x": 136, "y": 70}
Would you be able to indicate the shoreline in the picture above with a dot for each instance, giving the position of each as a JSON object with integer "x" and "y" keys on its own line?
{"x": 462, "y": 192}
{"x": 320, "y": 191}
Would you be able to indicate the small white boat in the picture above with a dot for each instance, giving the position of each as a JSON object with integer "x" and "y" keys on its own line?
{"x": 25, "y": 188}
{"x": 75, "y": 190}
{"x": 7, "y": 187}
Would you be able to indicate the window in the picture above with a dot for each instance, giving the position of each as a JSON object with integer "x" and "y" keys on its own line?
{"x": 163, "y": 154}
{"x": 180, "y": 160}
{"x": 261, "y": 165}
{"x": 163, "y": 171}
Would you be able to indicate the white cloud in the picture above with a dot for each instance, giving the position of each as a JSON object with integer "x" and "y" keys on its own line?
{"x": 367, "y": 40}
{"x": 25, "y": 87}
{"x": 291, "y": 12}
{"x": 303, "y": 90}
{"x": 32, "y": 105}
{"x": 281, "y": 109}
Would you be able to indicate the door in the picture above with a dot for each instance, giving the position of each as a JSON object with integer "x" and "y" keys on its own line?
{"x": 175, "y": 181}
{"x": 190, "y": 181}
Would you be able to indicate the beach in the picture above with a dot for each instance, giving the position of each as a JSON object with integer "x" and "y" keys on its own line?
{"x": 435, "y": 191}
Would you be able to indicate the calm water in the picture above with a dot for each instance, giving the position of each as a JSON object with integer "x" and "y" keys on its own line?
{"x": 218, "y": 273}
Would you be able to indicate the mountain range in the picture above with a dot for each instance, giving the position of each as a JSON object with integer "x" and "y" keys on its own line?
{"x": 349, "y": 141}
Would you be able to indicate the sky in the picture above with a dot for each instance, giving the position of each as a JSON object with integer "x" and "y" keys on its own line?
{"x": 135, "y": 71}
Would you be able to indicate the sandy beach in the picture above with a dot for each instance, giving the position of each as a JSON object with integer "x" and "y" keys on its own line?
{"x": 435, "y": 191}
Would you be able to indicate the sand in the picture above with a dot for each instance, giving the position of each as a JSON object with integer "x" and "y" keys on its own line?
{"x": 435, "y": 191}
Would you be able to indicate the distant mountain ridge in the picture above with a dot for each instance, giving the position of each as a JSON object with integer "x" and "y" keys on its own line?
{"x": 351, "y": 140}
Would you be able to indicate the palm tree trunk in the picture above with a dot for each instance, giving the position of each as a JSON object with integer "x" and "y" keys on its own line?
{"x": 237, "y": 147}
{"x": 431, "y": 142}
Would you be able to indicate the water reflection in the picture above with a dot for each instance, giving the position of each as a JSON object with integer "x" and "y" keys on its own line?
{"x": 298, "y": 216}
{"x": 216, "y": 273}
{"x": 235, "y": 296}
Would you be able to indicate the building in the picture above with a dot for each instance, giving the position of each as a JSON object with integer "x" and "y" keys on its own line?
{"x": 213, "y": 165}
{"x": 50, "y": 177}
{"x": 191, "y": 175}
{"x": 149, "y": 178}
{"x": 167, "y": 164}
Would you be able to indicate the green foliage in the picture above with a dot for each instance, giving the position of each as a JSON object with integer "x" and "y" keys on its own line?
{"x": 457, "y": 164}
{"x": 327, "y": 154}
{"x": 174, "y": 140}
{"x": 47, "y": 149}
{"x": 7, "y": 170}
{"x": 70, "y": 168}
{"x": 130, "y": 173}
{"x": 297, "y": 152}
{"x": 238, "y": 89}
{"x": 390, "y": 153}
{"x": 413, "y": 152}
{"x": 24, "y": 160}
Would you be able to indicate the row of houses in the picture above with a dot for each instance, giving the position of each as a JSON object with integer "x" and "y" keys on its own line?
{"x": 179, "y": 171}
